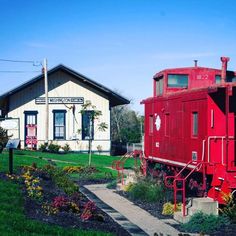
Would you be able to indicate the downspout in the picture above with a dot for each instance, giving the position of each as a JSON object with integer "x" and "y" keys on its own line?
{"x": 227, "y": 122}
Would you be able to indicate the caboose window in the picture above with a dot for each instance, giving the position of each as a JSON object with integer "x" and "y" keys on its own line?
{"x": 167, "y": 124}
{"x": 159, "y": 86}
{"x": 150, "y": 124}
{"x": 195, "y": 123}
{"x": 177, "y": 81}
{"x": 218, "y": 79}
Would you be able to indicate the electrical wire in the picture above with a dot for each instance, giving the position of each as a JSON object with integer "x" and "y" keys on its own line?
{"x": 20, "y": 61}
{"x": 35, "y": 63}
{"x": 19, "y": 71}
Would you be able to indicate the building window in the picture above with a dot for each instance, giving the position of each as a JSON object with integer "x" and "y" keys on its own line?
{"x": 194, "y": 123}
{"x": 177, "y": 81}
{"x": 87, "y": 125}
{"x": 159, "y": 86}
{"x": 59, "y": 124}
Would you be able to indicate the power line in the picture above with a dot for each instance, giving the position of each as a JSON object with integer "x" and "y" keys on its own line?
{"x": 35, "y": 63}
{"x": 9, "y": 60}
{"x": 19, "y": 71}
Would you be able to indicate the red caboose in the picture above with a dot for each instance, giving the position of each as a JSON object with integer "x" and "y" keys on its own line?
{"x": 190, "y": 126}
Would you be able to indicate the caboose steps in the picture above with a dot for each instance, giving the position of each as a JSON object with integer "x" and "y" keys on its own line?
{"x": 205, "y": 205}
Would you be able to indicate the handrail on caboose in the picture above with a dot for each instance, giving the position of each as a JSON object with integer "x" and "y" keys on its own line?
{"x": 177, "y": 178}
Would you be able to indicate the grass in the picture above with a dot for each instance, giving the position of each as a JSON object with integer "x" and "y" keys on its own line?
{"x": 12, "y": 218}
{"x": 14, "y": 222}
{"x": 80, "y": 159}
{"x": 101, "y": 162}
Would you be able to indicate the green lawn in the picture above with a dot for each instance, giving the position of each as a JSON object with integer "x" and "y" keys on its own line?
{"x": 101, "y": 162}
{"x": 12, "y": 218}
{"x": 77, "y": 158}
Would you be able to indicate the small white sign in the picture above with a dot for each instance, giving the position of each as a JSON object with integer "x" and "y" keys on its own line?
{"x": 9, "y": 124}
{"x": 157, "y": 144}
{"x": 158, "y": 122}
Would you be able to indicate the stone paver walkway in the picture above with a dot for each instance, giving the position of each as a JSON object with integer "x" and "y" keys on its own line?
{"x": 145, "y": 223}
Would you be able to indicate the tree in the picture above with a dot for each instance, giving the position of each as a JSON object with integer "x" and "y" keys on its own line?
{"x": 125, "y": 125}
{"x": 3, "y": 138}
{"x": 94, "y": 114}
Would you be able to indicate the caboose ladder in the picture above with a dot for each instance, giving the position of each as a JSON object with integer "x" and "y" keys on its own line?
{"x": 178, "y": 183}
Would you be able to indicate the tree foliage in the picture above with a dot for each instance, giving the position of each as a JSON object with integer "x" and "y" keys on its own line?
{"x": 125, "y": 125}
{"x": 3, "y": 138}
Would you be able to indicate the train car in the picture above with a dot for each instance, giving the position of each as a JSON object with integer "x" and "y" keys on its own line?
{"x": 190, "y": 126}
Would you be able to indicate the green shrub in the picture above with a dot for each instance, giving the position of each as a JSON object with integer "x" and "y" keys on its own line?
{"x": 66, "y": 147}
{"x": 62, "y": 180}
{"x": 203, "y": 223}
{"x": 168, "y": 208}
{"x": 128, "y": 187}
{"x": 53, "y": 148}
{"x": 43, "y": 147}
{"x": 229, "y": 209}
{"x": 112, "y": 184}
{"x": 72, "y": 169}
{"x": 146, "y": 191}
{"x": 3, "y": 138}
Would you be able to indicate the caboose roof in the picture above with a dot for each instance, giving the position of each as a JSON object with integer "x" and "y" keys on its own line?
{"x": 185, "y": 70}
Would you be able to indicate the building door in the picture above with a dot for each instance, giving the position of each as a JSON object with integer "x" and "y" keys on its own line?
{"x": 31, "y": 129}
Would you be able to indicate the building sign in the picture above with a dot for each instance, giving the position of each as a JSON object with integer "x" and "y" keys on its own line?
{"x": 9, "y": 124}
{"x": 60, "y": 100}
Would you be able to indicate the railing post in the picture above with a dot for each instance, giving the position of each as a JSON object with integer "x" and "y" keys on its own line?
{"x": 204, "y": 177}
{"x": 183, "y": 197}
{"x": 175, "y": 193}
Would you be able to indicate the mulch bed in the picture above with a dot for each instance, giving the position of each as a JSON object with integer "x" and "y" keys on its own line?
{"x": 33, "y": 209}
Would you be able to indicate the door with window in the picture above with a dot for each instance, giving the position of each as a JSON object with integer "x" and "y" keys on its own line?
{"x": 31, "y": 129}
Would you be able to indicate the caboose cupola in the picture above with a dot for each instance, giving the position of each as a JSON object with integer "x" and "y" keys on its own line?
{"x": 170, "y": 81}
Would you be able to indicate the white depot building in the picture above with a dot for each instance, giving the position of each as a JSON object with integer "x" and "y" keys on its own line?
{"x": 23, "y": 111}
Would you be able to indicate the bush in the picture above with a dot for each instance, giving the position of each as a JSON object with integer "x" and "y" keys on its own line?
{"x": 62, "y": 180}
{"x": 53, "y": 148}
{"x": 99, "y": 148}
{"x": 43, "y": 147}
{"x": 147, "y": 191}
{"x": 66, "y": 147}
{"x": 168, "y": 208}
{"x": 3, "y": 138}
{"x": 229, "y": 209}
{"x": 112, "y": 184}
{"x": 204, "y": 223}
{"x": 72, "y": 169}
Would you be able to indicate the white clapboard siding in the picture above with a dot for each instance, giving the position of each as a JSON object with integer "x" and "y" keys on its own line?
{"x": 61, "y": 84}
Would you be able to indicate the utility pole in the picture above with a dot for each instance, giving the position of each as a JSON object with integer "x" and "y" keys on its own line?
{"x": 45, "y": 71}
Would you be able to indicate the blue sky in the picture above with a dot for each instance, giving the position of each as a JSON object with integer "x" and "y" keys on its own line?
{"x": 119, "y": 43}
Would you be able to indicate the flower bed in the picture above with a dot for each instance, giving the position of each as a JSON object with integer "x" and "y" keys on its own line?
{"x": 50, "y": 196}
